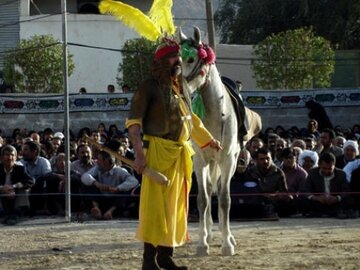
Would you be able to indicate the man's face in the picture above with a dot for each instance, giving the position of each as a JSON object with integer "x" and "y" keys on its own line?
{"x": 95, "y": 136}
{"x": 326, "y": 169}
{"x": 8, "y": 159}
{"x": 175, "y": 64}
{"x": 310, "y": 144}
{"x": 103, "y": 164}
{"x": 35, "y": 137}
{"x": 255, "y": 145}
{"x": 349, "y": 153}
{"x": 263, "y": 161}
{"x": 308, "y": 163}
{"x": 84, "y": 155}
{"x": 289, "y": 162}
{"x": 56, "y": 143}
{"x": 339, "y": 141}
{"x": 325, "y": 139}
{"x": 27, "y": 154}
{"x": 279, "y": 146}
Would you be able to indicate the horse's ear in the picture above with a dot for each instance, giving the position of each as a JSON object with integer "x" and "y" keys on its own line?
{"x": 180, "y": 36}
{"x": 197, "y": 35}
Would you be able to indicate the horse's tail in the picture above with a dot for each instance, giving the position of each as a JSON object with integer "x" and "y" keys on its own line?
{"x": 215, "y": 173}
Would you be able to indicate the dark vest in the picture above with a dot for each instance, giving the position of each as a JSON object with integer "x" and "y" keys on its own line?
{"x": 159, "y": 109}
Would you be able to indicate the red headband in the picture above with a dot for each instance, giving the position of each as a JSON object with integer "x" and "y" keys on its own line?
{"x": 165, "y": 50}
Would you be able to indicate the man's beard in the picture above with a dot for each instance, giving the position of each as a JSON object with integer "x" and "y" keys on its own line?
{"x": 85, "y": 160}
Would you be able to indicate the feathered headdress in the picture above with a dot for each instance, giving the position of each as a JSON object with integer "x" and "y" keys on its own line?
{"x": 159, "y": 22}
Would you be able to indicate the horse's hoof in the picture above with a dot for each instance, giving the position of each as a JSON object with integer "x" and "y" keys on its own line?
{"x": 202, "y": 251}
{"x": 228, "y": 251}
{"x": 233, "y": 241}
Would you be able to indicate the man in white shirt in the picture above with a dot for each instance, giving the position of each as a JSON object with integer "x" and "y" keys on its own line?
{"x": 105, "y": 182}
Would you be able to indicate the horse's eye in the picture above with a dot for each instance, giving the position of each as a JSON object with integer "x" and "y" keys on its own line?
{"x": 190, "y": 60}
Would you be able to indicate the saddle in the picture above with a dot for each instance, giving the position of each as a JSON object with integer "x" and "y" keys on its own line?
{"x": 238, "y": 105}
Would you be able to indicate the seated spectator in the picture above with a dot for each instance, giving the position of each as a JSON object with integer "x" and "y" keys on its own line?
{"x": 84, "y": 160}
{"x": 339, "y": 141}
{"x": 280, "y": 144}
{"x": 244, "y": 200}
{"x": 295, "y": 177}
{"x": 310, "y": 143}
{"x": 105, "y": 182}
{"x": 13, "y": 180}
{"x": 308, "y": 159}
{"x": 326, "y": 142}
{"x": 355, "y": 190}
{"x": 37, "y": 167}
{"x": 350, "y": 167}
{"x": 271, "y": 182}
{"x": 271, "y": 143}
{"x": 327, "y": 190}
{"x": 299, "y": 143}
{"x": 351, "y": 151}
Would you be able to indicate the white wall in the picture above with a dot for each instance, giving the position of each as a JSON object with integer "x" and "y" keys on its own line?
{"x": 94, "y": 68}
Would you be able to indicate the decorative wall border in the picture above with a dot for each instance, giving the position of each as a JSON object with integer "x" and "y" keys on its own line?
{"x": 289, "y": 99}
{"x": 33, "y": 104}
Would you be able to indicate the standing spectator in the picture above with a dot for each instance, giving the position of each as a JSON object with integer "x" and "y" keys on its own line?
{"x": 326, "y": 188}
{"x": 125, "y": 88}
{"x": 104, "y": 182}
{"x": 37, "y": 167}
{"x": 13, "y": 179}
{"x": 317, "y": 112}
{"x": 82, "y": 90}
{"x": 111, "y": 88}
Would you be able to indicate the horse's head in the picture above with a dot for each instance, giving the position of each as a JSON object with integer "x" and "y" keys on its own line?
{"x": 196, "y": 59}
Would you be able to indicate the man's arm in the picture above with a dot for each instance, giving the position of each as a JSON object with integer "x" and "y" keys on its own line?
{"x": 134, "y": 132}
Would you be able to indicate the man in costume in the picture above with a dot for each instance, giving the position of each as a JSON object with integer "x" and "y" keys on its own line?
{"x": 161, "y": 109}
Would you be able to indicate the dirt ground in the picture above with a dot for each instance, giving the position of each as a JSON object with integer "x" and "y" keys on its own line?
{"x": 286, "y": 244}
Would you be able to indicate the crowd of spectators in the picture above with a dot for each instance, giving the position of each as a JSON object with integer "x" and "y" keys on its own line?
{"x": 32, "y": 176}
{"x": 291, "y": 172}
{"x": 281, "y": 172}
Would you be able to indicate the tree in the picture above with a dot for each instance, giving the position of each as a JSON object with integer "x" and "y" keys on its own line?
{"x": 295, "y": 59}
{"x": 137, "y": 59}
{"x": 36, "y": 65}
{"x": 251, "y": 21}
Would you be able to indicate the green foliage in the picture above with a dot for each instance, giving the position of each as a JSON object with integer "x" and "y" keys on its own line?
{"x": 137, "y": 59}
{"x": 36, "y": 65}
{"x": 295, "y": 59}
{"x": 251, "y": 21}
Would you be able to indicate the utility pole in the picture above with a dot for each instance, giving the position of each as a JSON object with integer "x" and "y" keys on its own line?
{"x": 210, "y": 24}
{"x": 66, "y": 113}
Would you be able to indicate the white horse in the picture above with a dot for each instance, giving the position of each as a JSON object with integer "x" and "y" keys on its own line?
{"x": 213, "y": 169}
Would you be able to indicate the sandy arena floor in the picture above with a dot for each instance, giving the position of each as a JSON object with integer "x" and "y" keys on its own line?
{"x": 286, "y": 244}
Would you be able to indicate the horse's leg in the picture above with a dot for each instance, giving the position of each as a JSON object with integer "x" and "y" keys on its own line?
{"x": 203, "y": 202}
{"x": 224, "y": 200}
